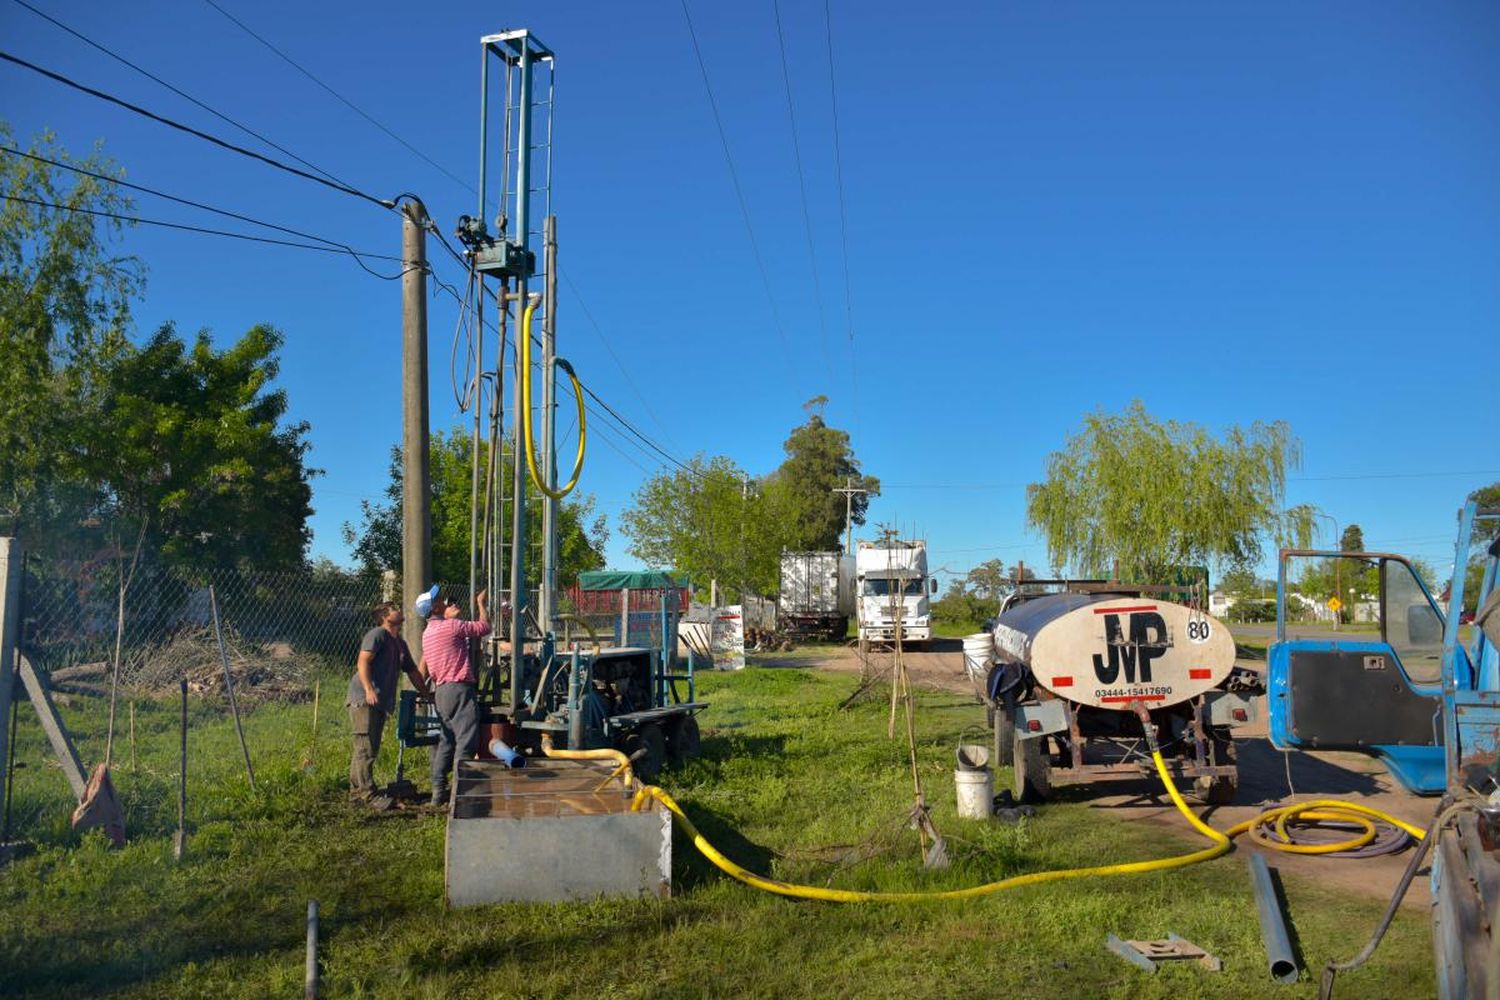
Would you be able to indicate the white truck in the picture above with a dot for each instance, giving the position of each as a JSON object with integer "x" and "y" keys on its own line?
{"x": 893, "y": 591}
{"x": 816, "y": 596}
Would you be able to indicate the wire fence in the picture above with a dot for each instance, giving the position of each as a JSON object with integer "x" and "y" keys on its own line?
{"x": 278, "y": 629}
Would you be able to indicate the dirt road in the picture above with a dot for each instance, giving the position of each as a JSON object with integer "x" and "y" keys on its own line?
{"x": 1267, "y": 777}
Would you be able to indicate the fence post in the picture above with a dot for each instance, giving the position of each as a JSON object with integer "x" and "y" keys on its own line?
{"x": 625, "y": 616}
{"x": 310, "y": 976}
{"x": 179, "y": 843}
{"x": 213, "y": 602}
{"x": 10, "y": 629}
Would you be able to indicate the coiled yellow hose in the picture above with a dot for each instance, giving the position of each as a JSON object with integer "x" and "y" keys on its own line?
{"x": 523, "y": 422}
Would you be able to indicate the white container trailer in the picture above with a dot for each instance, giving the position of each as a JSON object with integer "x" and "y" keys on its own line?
{"x": 816, "y": 596}
{"x": 893, "y": 591}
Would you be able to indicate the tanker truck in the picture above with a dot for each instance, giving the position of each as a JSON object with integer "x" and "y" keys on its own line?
{"x": 893, "y": 584}
{"x": 1079, "y": 675}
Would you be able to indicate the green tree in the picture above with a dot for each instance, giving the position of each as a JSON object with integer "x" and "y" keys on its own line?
{"x": 159, "y": 448}
{"x": 820, "y": 459}
{"x": 1352, "y": 540}
{"x": 709, "y": 520}
{"x": 581, "y": 533}
{"x": 64, "y": 315}
{"x": 1151, "y": 495}
{"x": 988, "y": 581}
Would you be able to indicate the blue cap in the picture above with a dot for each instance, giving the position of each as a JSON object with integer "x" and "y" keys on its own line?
{"x": 423, "y": 603}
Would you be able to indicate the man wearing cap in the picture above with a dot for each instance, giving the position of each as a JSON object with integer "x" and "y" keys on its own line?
{"x": 383, "y": 657}
{"x": 445, "y": 660}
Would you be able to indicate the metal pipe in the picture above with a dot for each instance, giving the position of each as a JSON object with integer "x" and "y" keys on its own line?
{"x": 310, "y": 976}
{"x": 518, "y": 539}
{"x": 575, "y": 704}
{"x": 1279, "y": 956}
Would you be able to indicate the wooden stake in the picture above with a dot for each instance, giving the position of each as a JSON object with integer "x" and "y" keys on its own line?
{"x": 312, "y": 755}
{"x": 132, "y": 736}
{"x": 180, "y": 842}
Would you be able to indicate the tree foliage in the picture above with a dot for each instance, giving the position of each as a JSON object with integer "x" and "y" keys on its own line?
{"x": 107, "y": 442}
{"x": 714, "y": 521}
{"x": 1150, "y": 495}
{"x": 581, "y": 534}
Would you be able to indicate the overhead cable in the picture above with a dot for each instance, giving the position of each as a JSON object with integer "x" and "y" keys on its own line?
{"x": 347, "y": 103}
{"x": 198, "y": 204}
{"x": 838, "y": 174}
{"x": 180, "y": 93}
{"x": 739, "y": 193}
{"x": 250, "y": 237}
{"x": 198, "y": 133}
{"x": 812, "y": 257}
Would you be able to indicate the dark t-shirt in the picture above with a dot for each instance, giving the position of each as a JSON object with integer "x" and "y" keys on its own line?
{"x": 392, "y": 656}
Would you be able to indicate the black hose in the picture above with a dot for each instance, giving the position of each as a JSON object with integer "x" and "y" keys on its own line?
{"x": 1325, "y": 990}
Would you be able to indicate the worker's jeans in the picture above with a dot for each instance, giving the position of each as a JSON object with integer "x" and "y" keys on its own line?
{"x": 367, "y": 722}
{"x": 458, "y": 725}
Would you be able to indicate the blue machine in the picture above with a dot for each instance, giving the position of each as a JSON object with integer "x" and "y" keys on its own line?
{"x": 1427, "y": 705}
{"x": 1412, "y": 695}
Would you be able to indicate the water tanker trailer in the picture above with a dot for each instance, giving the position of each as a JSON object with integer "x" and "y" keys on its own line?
{"x": 1074, "y": 669}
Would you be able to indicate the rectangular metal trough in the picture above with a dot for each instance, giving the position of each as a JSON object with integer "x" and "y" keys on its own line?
{"x": 548, "y": 833}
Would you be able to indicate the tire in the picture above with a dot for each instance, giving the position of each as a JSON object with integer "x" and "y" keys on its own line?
{"x": 651, "y": 739}
{"x": 1032, "y": 782}
{"x": 1003, "y": 720}
{"x": 684, "y": 740}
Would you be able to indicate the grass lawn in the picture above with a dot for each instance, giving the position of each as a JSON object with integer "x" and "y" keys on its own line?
{"x": 786, "y": 785}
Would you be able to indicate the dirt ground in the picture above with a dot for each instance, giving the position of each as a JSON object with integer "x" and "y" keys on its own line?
{"x": 1263, "y": 781}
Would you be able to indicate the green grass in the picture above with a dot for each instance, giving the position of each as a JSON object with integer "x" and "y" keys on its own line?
{"x": 784, "y": 780}
{"x": 955, "y": 630}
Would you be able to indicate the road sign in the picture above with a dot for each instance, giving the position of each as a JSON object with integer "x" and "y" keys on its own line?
{"x": 1334, "y": 604}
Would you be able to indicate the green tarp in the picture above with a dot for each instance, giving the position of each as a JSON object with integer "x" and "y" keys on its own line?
{"x": 636, "y": 579}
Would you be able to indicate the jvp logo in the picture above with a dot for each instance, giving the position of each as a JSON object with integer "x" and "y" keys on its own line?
{"x": 1148, "y": 641}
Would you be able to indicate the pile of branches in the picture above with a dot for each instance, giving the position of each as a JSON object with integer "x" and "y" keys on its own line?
{"x": 260, "y": 673}
{"x": 765, "y": 640}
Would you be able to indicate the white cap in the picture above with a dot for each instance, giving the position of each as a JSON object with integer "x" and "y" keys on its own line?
{"x": 423, "y": 603}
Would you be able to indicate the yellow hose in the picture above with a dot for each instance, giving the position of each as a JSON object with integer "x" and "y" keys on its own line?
{"x": 1318, "y": 810}
{"x": 1303, "y": 812}
{"x": 524, "y": 417}
{"x": 1220, "y": 846}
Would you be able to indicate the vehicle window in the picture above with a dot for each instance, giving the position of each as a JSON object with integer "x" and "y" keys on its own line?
{"x": 880, "y": 587}
{"x": 1412, "y": 625}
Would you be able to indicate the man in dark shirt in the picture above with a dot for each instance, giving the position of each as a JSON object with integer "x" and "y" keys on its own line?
{"x": 383, "y": 657}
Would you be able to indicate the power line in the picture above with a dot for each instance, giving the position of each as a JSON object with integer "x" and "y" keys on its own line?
{"x": 172, "y": 123}
{"x": 250, "y": 237}
{"x": 198, "y": 204}
{"x": 739, "y": 193}
{"x": 603, "y": 340}
{"x": 838, "y": 173}
{"x": 812, "y": 257}
{"x": 347, "y": 103}
{"x": 180, "y": 93}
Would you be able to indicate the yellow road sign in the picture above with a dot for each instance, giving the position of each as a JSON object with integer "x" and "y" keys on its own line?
{"x": 1334, "y": 604}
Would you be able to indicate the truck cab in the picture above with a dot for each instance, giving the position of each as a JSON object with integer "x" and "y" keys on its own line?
{"x": 894, "y": 591}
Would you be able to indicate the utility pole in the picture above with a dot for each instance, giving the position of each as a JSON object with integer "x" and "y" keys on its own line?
{"x": 416, "y": 493}
{"x": 849, "y": 489}
{"x": 546, "y": 607}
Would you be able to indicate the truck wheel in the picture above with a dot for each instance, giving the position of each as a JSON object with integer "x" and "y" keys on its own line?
{"x": 1032, "y": 783}
{"x": 1003, "y": 719}
{"x": 683, "y": 740}
{"x": 650, "y": 739}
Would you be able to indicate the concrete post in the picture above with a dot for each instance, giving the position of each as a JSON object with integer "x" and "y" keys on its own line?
{"x": 10, "y": 636}
{"x": 416, "y": 493}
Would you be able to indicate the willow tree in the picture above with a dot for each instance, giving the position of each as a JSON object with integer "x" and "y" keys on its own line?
{"x": 1146, "y": 496}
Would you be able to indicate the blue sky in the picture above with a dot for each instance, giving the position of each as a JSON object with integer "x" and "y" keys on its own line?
{"x": 1232, "y": 212}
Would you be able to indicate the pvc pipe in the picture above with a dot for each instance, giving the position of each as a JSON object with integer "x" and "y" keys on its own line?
{"x": 503, "y": 752}
{"x": 1282, "y": 962}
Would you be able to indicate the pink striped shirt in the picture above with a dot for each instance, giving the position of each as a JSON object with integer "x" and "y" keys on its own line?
{"x": 445, "y": 647}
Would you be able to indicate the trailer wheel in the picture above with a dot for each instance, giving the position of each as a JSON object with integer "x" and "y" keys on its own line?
{"x": 1032, "y": 782}
{"x": 683, "y": 740}
{"x": 650, "y": 739}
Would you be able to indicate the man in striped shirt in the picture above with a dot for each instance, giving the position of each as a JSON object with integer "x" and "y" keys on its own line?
{"x": 445, "y": 664}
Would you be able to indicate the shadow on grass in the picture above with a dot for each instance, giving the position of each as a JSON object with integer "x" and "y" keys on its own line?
{"x": 695, "y": 869}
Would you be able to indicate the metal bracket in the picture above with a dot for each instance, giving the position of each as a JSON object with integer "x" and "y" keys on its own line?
{"x": 1146, "y": 954}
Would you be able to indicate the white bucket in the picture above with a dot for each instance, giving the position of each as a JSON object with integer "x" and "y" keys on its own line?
{"x": 979, "y": 654}
{"x": 976, "y": 793}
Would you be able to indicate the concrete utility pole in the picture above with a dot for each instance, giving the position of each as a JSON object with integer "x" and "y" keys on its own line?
{"x": 416, "y": 492}
{"x": 849, "y": 489}
{"x": 10, "y": 635}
